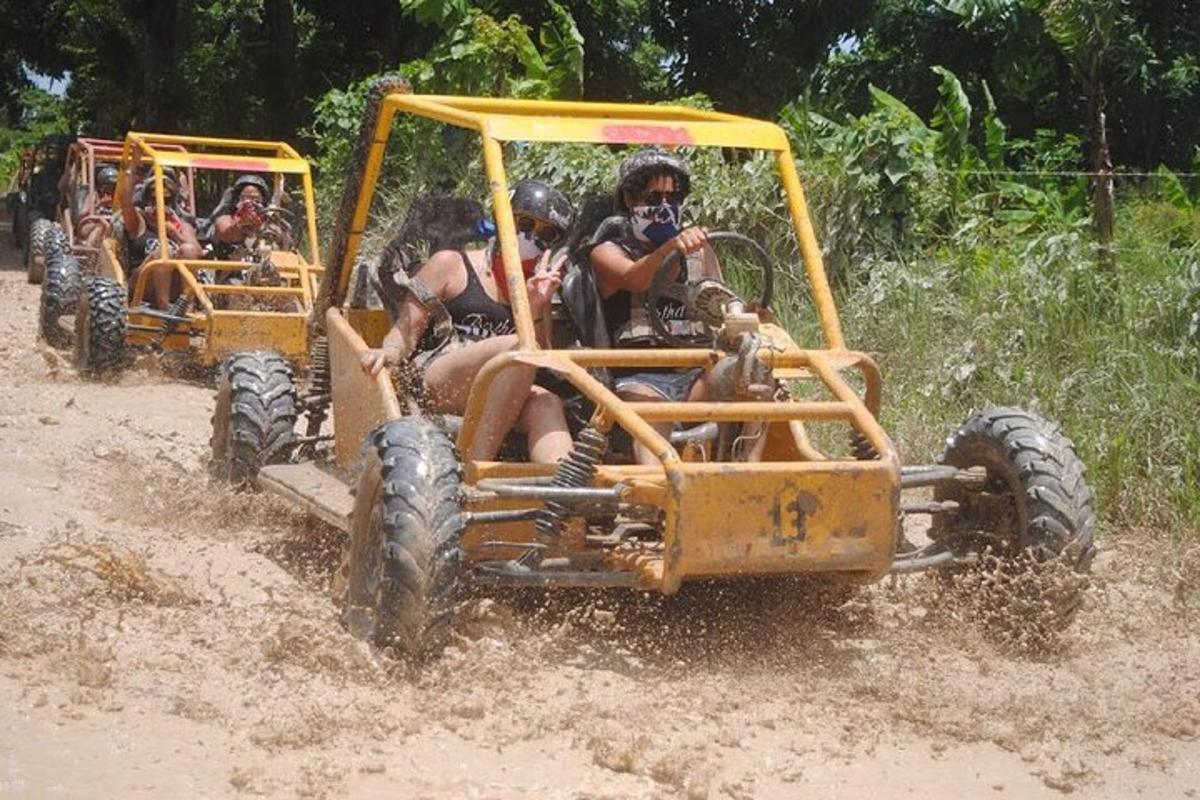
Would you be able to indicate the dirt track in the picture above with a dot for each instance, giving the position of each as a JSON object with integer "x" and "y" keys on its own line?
{"x": 160, "y": 638}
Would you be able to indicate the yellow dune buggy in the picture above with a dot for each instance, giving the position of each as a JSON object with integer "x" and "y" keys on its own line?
{"x": 421, "y": 522}
{"x": 258, "y": 296}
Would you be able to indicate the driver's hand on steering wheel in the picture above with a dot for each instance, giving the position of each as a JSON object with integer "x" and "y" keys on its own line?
{"x": 688, "y": 241}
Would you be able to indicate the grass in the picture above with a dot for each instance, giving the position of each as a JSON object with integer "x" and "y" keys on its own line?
{"x": 1030, "y": 321}
{"x": 989, "y": 316}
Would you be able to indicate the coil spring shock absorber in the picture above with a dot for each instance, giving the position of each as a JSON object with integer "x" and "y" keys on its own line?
{"x": 861, "y": 448}
{"x": 576, "y": 470}
{"x": 320, "y": 386}
{"x": 177, "y": 308}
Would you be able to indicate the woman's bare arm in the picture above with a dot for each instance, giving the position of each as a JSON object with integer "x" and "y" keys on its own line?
{"x": 438, "y": 274}
{"x": 615, "y": 270}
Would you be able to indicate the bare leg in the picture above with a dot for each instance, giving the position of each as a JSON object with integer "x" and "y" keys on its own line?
{"x": 160, "y": 288}
{"x": 545, "y": 426}
{"x": 641, "y": 393}
{"x": 448, "y": 382}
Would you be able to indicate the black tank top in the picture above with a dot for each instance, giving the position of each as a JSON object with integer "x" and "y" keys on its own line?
{"x": 138, "y": 248}
{"x": 474, "y": 314}
{"x": 135, "y": 250}
{"x": 617, "y": 306}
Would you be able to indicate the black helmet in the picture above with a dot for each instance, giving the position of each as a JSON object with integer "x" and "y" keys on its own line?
{"x": 144, "y": 194}
{"x": 541, "y": 201}
{"x": 250, "y": 180}
{"x": 636, "y": 171}
{"x": 106, "y": 175}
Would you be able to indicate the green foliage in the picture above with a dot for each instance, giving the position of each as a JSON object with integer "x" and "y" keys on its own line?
{"x": 442, "y": 13}
{"x": 995, "y": 132}
{"x": 477, "y": 55}
{"x": 1024, "y": 320}
{"x": 485, "y": 56}
{"x": 44, "y": 114}
{"x": 1040, "y": 59}
{"x": 751, "y": 57}
{"x": 952, "y": 119}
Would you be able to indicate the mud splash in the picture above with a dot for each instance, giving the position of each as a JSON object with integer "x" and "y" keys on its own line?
{"x": 159, "y": 636}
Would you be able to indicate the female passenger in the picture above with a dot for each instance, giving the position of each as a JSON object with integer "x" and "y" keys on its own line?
{"x": 471, "y": 286}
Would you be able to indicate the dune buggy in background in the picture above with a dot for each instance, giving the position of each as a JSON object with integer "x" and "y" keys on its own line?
{"x": 57, "y": 253}
{"x": 36, "y": 195}
{"x": 421, "y": 522}
{"x": 259, "y": 296}
{"x": 76, "y": 195}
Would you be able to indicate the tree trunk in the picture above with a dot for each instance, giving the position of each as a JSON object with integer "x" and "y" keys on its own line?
{"x": 279, "y": 67}
{"x": 1103, "y": 199}
{"x": 160, "y": 63}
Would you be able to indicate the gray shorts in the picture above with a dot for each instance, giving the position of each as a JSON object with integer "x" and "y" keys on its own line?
{"x": 670, "y": 385}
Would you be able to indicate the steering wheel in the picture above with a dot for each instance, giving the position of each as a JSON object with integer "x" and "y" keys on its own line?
{"x": 285, "y": 214}
{"x": 704, "y": 300}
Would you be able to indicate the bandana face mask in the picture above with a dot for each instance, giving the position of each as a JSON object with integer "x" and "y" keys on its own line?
{"x": 529, "y": 249}
{"x": 656, "y": 224}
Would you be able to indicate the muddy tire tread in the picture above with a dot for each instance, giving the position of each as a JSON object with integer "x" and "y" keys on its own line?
{"x": 261, "y": 413}
{"x": 421, "y": 513}
{"x": 106, "y": 326}
{"x": 1061, "y": 505}
{"x": 35, "y": 248}
{"x": 62, "y": 283}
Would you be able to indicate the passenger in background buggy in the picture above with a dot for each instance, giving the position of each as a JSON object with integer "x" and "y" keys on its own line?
{"x": 95, "y": 221}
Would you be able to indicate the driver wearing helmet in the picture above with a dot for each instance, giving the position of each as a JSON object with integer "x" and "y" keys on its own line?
{"x": 243, "y": 213}
{"x": 627, "y": 252}
{"x": 96, "y": 220}
{"x": 464, "y": 293}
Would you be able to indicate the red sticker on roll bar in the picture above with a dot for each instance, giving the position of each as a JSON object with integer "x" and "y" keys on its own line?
{"x": 646, "y": 134}
{"x": 243, "y": 164}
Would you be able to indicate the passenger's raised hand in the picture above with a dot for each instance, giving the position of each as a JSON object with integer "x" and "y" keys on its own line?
{"x": 546, "y": 279}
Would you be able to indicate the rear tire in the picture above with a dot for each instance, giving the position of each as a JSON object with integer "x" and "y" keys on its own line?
{"x": 403, "y": 562}
{"x": 35, "y": 249}
{"x": 61, "y": 287}
{"x": 100, "y": 319}
{"x": 1036, "y": 509}
{"x": 20, "y": 220}
{"x": 255, "y": 416}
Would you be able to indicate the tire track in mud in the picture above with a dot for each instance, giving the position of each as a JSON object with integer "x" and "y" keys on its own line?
{"x": 159, "y": 636}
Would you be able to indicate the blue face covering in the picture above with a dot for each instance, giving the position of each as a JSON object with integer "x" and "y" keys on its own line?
{"x": 655, "y": 224}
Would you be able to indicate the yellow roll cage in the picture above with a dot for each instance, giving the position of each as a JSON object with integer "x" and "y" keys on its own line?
{"x": 498, "y": 120}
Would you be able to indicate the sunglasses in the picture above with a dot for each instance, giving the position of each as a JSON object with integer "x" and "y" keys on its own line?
{"x": 662, "y": 198}
{"x": 547, "y": 232}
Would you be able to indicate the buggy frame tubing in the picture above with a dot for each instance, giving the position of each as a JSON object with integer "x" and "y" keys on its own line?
{"x": 187, "y": 271}
{"x": 635, "y": 417}
{"x": 171, "y": 150}
{"x": 499, "y": 120}
{"x": 92, "y": 151}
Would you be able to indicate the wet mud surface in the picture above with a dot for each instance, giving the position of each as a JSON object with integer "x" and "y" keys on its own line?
{"x": 163, "y": 637}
